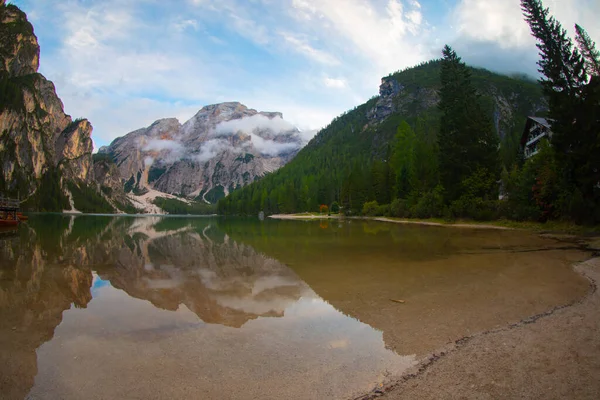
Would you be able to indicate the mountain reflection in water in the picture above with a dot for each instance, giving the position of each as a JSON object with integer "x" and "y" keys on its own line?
{"x": 103, "y": 307}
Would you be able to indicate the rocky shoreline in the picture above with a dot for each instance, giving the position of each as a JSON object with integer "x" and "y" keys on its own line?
{"x": 551, "y": 355}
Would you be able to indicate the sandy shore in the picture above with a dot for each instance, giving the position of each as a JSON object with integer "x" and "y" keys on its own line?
{"x": 384, "y": 219}
{"x": 552, "y": 355}
{"x": 303, "y": 216}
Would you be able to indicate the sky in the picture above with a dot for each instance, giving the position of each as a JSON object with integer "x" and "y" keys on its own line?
{"x": 125, "y": 63}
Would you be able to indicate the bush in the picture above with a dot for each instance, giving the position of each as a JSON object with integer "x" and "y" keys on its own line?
{"x": 370, "y": 208}
{"x": 430, "y": 204}
{"x": 475, "y": 208}
{"x": 383, "y": 210}
{"x": 335, "y": 207}
{"x": 399, "y": 209}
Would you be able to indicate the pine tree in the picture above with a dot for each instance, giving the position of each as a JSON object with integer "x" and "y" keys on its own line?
{"x": 588, "y": 50}
{"x": 574, "y": 106}
{"x": 467, "y": 141}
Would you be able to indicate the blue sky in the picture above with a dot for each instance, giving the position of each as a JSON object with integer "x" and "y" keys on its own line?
{"x": 125, "y": 63}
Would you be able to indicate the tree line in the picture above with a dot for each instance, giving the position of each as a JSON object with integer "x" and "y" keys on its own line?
{"x": 450, "y": 162}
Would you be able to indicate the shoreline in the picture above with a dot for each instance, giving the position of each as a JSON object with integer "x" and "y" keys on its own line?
{"x": 525, "y": 348}
{"x": 538, "y": 227}
{"x": 387, "y": 219}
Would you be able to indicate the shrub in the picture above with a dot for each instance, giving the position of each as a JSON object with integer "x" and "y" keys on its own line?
{"x": 399, "y": 209}
{"x": 335, "y": 207}
{"x": 370, "y": 208}
{"x": 383, "y": 210}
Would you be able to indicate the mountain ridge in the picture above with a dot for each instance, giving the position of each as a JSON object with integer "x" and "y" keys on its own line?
{"x": 222, "y": 147}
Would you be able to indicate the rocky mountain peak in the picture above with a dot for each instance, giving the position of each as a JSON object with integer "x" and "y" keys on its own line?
{"x": 223, "y": 146}
{"x": 36, "y": 136}
{"x": 20, "y": 52}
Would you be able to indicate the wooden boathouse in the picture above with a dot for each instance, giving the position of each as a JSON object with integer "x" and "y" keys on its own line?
{"x": 9, "y": 210}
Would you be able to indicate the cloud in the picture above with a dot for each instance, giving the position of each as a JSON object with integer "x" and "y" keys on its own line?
{"x": 210, "y": 149}
{"x": 185, "y": 24}
{"x": 163, "y": 145}
{"x": 272, "y": 148}
{"x": 494, "y": 34}
{"x": 301, "y": 45}
{"x": 276, "y": 125}
{"x": 335, "y": 83}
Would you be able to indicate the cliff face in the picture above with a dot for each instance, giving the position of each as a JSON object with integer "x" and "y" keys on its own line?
{"x": 222, "y": 147}
{"x": 508, "y": 100}
{"x": 36, "y": 135}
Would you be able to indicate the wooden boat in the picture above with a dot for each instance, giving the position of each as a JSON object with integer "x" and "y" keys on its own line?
{"x": 22, "y": 217}
{"x": 8, "y": 222}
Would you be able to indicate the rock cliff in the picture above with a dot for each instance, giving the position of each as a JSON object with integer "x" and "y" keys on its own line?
{"x": 222, "y": 147}
{"x": 36, "y": 136}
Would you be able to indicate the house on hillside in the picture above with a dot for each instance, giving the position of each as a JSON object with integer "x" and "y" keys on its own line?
{"x": 536, "y": 129}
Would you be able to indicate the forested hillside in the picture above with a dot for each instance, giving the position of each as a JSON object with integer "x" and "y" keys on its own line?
{"x": 357, "y": 158}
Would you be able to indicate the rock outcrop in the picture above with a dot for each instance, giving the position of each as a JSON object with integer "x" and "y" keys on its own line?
{"x": 509, "y": 103}
{"x": 224, "y": 146}
{"x": 36, "y": 135}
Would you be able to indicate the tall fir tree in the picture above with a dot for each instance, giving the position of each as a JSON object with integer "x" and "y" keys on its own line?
{"x": 467, "y": 141}
{"x": 574, "y": 106}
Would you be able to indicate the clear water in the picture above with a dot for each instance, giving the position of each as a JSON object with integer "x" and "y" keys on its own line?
{"x": 151, "y": 307}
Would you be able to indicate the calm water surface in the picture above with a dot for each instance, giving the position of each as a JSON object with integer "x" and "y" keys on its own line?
{"x": 149, "y": 307}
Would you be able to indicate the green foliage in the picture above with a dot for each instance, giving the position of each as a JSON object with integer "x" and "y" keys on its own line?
{"x": 88, "y": 200}
{"x": 174, "y": 206}
{"x": 355, "y": 160}
{"x": 370, "y": 208}
{"x": 467, "y": 141}
{"x": 335, "y": 207}
{"x": 102, "y": 157}
{"x": 49, "y": 196}
{"x": 215, "y": 194}
{"x": 403, "y": 159}
{"x": 574, "y": 102}
{"x": 155, "y": 172}
{"x": 588, "y": 50}
{"x": 246, "y": 158}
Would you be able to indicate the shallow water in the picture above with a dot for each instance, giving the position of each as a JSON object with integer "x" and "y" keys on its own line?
{"x": 150, "y": 307}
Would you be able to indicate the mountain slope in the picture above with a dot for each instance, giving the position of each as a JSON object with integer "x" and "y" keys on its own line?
{"x": 223, "y": 147}
{"x": 352, "y": 144}
{"x": 43, "y": 151}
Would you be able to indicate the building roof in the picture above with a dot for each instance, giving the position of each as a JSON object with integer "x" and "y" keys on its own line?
{"x": 542, "y": 121}
{"x": 530, "y": 120}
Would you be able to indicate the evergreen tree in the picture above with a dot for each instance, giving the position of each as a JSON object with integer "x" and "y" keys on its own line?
{"x": 574, "y": 108}
{"x": 467, "y": 141}
{"x": 588, "y": 50}
{"x": 403, "y": 159}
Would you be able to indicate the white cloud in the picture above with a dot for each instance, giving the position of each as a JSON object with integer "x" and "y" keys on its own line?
{"x": 272, "y": 148}
{"x": 148, "y": 161}
{"x": 302, "y": 46}
{"x": 185, "y": 24}
{"x": 495, "y": 35}
{"x": 248, "y": 125}
{"x": 162, "y": 145}
{"x": 211, "y": 149}
{"x": 392, "y": 38}
{"x": 336, "y": 83}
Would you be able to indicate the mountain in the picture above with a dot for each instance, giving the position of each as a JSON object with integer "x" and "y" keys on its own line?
{"x": 36, "y": 136}
{"x": 45, "y": 155}
{"x": 223, "y": 147}
{"x": 347, "y": 161}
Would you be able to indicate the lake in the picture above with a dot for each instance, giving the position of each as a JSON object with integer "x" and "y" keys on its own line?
{"x": 171, "y": 307}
